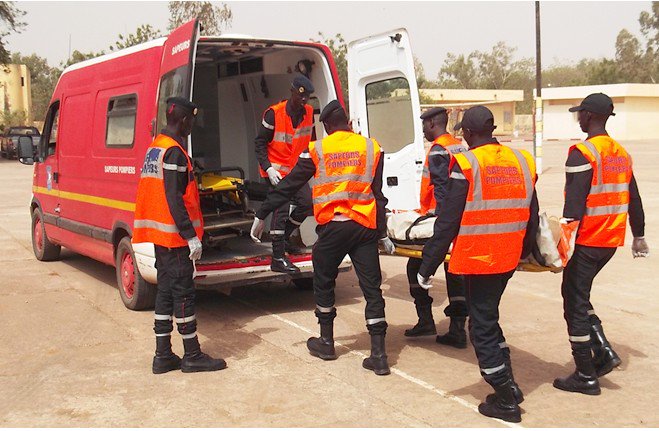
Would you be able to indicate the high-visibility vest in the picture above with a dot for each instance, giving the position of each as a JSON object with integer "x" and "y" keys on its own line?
{"x": 604, "y": 223}
{"x": 345, "y": 168}
{"x": 153, "y": 220}
{"x": 288, "y": 142}
{"x": 444, "y": 144}
{"x": 501, "y": 183}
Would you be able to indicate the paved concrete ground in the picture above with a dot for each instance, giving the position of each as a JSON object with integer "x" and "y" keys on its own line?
{"x": 74, "y": 356}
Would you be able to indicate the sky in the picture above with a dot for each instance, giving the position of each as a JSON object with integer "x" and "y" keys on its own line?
{"x": 570, "y": 30}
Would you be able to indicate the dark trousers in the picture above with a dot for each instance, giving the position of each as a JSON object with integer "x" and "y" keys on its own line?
{"x": 455, "y": 288}
{"x": 303, "y": 208}
{"x": 578, "y": 278}
{"x": 335, "y": 241}
{"x": 483, "y": 294}
{"x": 176, "y": 293}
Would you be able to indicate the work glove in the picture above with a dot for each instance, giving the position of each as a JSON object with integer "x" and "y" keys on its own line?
{"x": 257, "y": 229}
{"x": 423, "y": 281}
{"x": 640, "y": 247}
{"x": 388, "y": 245}
{"x": 195, "y": 248}
{"x": 273, "y": 176}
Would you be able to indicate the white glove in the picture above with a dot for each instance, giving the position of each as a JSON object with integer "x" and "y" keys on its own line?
{"x": 388, "y": 245}
{"x": 257, "y": 229}
{"x": 423, "y": 281}
{"x": 195, "y": 248}
{"x": 273, "y": 176}
{"x": 640, "y": 247}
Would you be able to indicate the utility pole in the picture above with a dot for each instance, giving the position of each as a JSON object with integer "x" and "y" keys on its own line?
{"x": 537, "y": 111}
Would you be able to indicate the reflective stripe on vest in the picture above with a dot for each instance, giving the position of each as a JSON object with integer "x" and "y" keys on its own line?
{"x": 343, "y": 178}
{"x": 604, "y": 221}
{"x": 493, "y": 225}
{"x": 445, "y": 144}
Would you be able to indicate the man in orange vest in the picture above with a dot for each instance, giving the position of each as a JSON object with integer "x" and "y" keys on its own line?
{"x": 600, "y": 190}
{"x": 286, "y": 130}
{"x": 346, "y": 173}
{"x": 490, "y": 214}
{"x": 433, "y": 190}
{"x": 168, "y": 214}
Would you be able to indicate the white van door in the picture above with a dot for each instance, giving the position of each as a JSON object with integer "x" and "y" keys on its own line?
{"x": 384, "y": 104}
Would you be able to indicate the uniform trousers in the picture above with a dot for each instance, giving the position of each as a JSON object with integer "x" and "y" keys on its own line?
{"x": 455, "y": 288}
{"x": 303, "y": 209}
{"x": 578, "y": 278}
{"x": 483, "y": 292}
{"x": 176, "y": 293}
{"x": 337, "y": 239}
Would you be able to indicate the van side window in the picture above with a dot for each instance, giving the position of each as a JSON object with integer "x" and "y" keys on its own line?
{"x": 172, "y": 84}
{"x": 121, "y": 113}
{"x": 49, "y": 135}
{"x": 389, "y": 112}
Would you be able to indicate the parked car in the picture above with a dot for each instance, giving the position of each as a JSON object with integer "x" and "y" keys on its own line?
{"x": 9, "y": 141}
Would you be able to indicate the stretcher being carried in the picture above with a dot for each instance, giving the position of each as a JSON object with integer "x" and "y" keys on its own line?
{"x": 409, "y": 231}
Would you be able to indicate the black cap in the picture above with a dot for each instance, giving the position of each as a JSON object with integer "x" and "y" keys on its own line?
{"x": 477, "y": 119}
{"x": 182, "y": 103}
{"x": 433, "y": 112}
{"x": 598, "y": 103}
{"x": 301, "y": 84}
{"x": 330, "y": 109}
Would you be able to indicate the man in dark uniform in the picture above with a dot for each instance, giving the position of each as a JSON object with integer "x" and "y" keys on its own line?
{"x": 346, "y": 173}
{"x": 286, "y": 130}
{"x": 433, "y": 190}
{"x": 168, "y": 214}
{"x": 597, "y": 168}
{"x": 491, "y": 212}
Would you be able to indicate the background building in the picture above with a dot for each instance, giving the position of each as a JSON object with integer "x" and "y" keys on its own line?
{"x": 636, "y": 107}
{"x": 15, "y": 94}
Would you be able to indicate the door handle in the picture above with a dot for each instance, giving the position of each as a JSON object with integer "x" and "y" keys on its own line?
{"x": 56, "y": 177}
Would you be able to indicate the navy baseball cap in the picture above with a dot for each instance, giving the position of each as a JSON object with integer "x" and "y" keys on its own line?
{"x": 598, "y": 103}
{"x": 477, "y": 119}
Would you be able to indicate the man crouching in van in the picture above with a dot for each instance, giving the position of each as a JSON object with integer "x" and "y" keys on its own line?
{"x": 168, "y": 214}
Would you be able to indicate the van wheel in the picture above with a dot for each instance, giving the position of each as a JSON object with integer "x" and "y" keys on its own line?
{"x": 303, "y": 283}
{"x": 44, "y": 250}
{"x": 136, "y": 293}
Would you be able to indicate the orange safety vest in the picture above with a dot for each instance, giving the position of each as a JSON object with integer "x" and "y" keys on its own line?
{"x": 604, "y": 223}
{"x": 288, "y": 142}
{"x": 153, "y": 220}
{"x": 345, "y": 168}
{"x": 501, "y": 182}
{"x": 444, "y": 144}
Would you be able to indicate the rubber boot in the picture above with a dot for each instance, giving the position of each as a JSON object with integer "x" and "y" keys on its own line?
{"x": 605, "y": 358}
{"x": 377, "y": 362}
{"x": 165, "y": 360}
{"x": 194, "y": 360}
{"x": 504, "y": 406}
{"x": 456, "y": 335}
{"x": 426, "y": 323}
{"x": 281, "y": 263}
{"x": 517, "y": 392}
{"x": 323, "y": 347}
{"x": 584, "y": 379}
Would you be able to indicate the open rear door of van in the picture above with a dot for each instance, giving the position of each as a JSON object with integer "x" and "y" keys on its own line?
{"x": 177, "y": 67}
{"x": 384, "y": 104}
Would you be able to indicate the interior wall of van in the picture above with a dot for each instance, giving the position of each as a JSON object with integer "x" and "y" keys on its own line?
{"x": 234, "y": 84}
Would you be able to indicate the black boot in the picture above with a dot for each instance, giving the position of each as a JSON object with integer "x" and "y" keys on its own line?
{"x": 165, "y": 360}
{"x": 605, "y": 358}
{"x": 425, "y": 325}
{"x": 584, "y": 379}
{"x": 504, "y": 406}
{"x": 456, "y": 335}
{"x": 377, "y": 362}
{"x": 195, "y": 360}
{"x": 517, "y": 392}
{"x": 323, "y": 347}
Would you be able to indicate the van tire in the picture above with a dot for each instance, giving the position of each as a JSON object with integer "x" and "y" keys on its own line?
{"x": 44, "y": 250}
{"x": 136, "y": 293}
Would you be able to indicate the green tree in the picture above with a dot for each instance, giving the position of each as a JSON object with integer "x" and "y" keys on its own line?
{"x": 458, "y": 71}
{"x": 78, "y": 56}
{"x": 339, "y": 49}
{"x": 213, "y": 19}
{"x": 144, "y": 33}
{"x": 10, "y": 16}
{"x": 12, "y": 118}
{"x": 43, "y": 80}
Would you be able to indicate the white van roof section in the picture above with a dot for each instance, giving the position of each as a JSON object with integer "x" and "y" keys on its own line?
{"x": 131, "y": 50}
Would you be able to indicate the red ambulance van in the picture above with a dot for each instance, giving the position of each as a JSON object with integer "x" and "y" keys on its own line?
{"x": 104, "y": 113}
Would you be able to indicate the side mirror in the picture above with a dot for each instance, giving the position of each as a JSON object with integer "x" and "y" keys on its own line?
{"x": 25, "y": 150}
